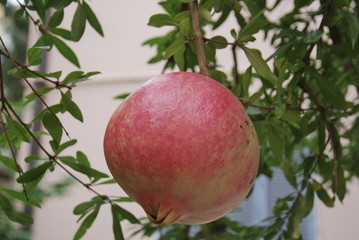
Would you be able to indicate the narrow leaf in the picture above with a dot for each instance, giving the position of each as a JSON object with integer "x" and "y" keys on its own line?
{"x": 78, "y": 23}
{"x": 71, "y": 107}
{"x": 172, "y": 49}
{"x": 253, "y": 26}
{"x": 91, "y": 17}
{"x": 66, "y": 51}
{"x": 8, "y": 162}
{"x": 52, "y": 124}
{"x": 160, "y": 20}
{"x": 21, "y": 196}
{"x": 87, "y": 223}
{"x": 34, "y": 173}
{"x": 56, "y": 19}
{"x": 116, "y": 225}
{"x": 125, "y": 214}
{"x": 255, "y": 58}
{"x": 353, "y": 22}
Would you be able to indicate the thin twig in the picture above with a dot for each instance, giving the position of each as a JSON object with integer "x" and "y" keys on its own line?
{"x": 198, "y": 38}
{"x": 31, "y": 87}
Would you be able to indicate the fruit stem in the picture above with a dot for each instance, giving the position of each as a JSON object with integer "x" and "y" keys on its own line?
{"x": 198, "y": 38}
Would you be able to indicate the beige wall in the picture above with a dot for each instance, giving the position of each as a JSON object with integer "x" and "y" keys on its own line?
{"x": 122, "y": 61}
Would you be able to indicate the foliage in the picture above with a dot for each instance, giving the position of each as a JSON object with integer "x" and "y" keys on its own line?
{"x": 306, "y": 123}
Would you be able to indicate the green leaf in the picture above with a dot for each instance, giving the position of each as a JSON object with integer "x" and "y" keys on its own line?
{"x": 179, "y": 58}
{"x": 160, "y": 20}
{"x": 53, "y": 126}
{"x": 245, "y": 82}
{"x": 66, "y": 51}
{"x": 71, "y": 107}
{"x": 5, "y": 203}
{"x": 34, "y": 173}
{"x": 205, "y": 14}
{"x": 257, "y": 23}
{"x": 90, "y": 172}
{"x": 186, "y": 1}
{"x": 331, "y": 93}
{"x": 255, "y": 58}
{"x": 21, "y": 196}
{"x": 66, "y": 34}
{"x": 313, "y": 36}
{"x": 122, "y": 96}
{"x": 78, "y": 23}
{"x": 18, "y": 129}
{"x": 65, "y": 145}
{"x": 353, "y": 22}
{"x": 185, "y": 27}
{"x": 82, "y": 159}
{"x": 91, "y": 17}
{"x": 279, "y": 110}
{"x": 56, "y": 19}
{"x": 325, "y": 198}
{"x": 9, "y": 162}
{"x": 84, "y": 207}
{"x": 288, "y": 171}
{"x": 275, "y": 140}
{"x": 12, "y": 214}
{"x": 87, "y": 223}
{"x": 172, "y": 49}
{"x": 219, "y": 42}
{"x": 40, "y": 8}
{"x": 125, "y": 214}
{"x": 34, "y": 55}
{"x": 116, "y": 225}
{"x": 309, "y": 202}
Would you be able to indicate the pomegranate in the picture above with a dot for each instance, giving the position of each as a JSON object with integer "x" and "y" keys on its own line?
{"x": 184, "y": 148}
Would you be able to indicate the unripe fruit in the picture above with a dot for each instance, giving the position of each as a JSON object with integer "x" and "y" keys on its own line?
{"x": 184, "y": 148}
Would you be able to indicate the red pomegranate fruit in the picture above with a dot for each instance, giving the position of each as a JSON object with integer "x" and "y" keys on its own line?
{"x": 184, "y": 148}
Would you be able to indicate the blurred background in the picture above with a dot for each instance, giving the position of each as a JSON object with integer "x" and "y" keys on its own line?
{"x": 122, "y": 61}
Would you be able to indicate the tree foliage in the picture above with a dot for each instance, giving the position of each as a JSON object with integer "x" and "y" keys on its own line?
{"x": 305, "y": 108}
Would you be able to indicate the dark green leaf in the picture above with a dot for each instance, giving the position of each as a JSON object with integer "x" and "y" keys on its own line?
{"x": 56, "y": 19}
{"x": 116, "y": 225}
{"x": 66, "y": 34}
{"x": 18, "y": 129}
{"x": 253, "y": 26}
{"x": 309, "y": 202}
{"x": 87, "y": 223}
{"x": 341, "y": 188}
{"x": 82, "y": 159}
{"x": 353, "y": 22}
{"x": 19, "y": 217}
{"x": 186, "y": 1}
{"x": 84, "y": 207}
{"x": 66, "y": 51}
{"x": 32, "y": 158}
{"x": 125, "y": 214}
{"x": 122, "y": 96}
{"x": 90, "y": 172}
{"x": 9, "y": 162}
{"x": 52, "y": 124}
{"x": 219, "y": 42}
{"x": 71, "y": 107}
{"x": 288, "y": 171}
{"x": 172, "y": 49}
{"x": 313, "y": 36}
{"x": 78, "y": 23}
{"x": 91, "y": 17}
{"x": 5, "y": 203}
{"x": 255, "y": 58}
{"x": 34, "y": 54}
{"x": 275, "y": 141}
{"x": 58, "y": 4}
{"x": 34, "y": 173}
{"x": 40, "y": 8}
{"x": 21, "y": 196}
{"x": 331, "y": 93}
{"x": 160, "y": 20}
{"x": 65, "y": 145}
{"x": 325, "y": 198}
{"x": 245, "y": 82}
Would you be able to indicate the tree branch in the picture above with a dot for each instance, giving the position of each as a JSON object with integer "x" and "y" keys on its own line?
{"x": 198, "y": 38}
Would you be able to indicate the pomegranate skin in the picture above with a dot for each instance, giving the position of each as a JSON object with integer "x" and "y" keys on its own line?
{"x": 184, "y": 148}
